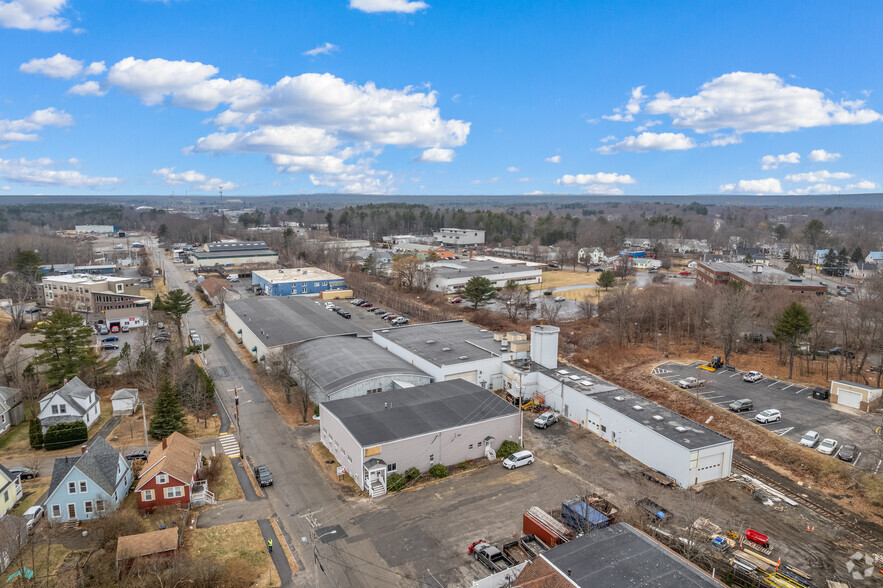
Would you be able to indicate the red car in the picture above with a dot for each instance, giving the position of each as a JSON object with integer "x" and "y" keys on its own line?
{"x": 456, "y": 300}
{"x": 685, "y": 273}
{"x": 366, "y": 305}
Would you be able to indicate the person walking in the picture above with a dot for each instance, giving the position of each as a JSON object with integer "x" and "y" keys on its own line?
{"x": 270, "y": 545}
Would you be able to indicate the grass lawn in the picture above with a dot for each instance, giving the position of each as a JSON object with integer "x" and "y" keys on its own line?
{"x": 227, "y": 488}
{"x": 16, "y": 445}
{"x": 554, "y": 279}
{"x": 31, "y": 490}
{"x": 239, "y": 541}
{"x": 38, "y": 556}
{"x": 328, "y": 464}
{"x": 15, "y": 439}
{"x": 197, "y": 430}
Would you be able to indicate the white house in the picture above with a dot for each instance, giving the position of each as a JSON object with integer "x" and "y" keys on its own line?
{"x": 75, "y": 401}
{"x": 862, "y": 270}
{"x": 819, "y": 255}
{"x": 124, "y": 400}
{"x": 874, "y": 257}
{"x": 591, "y": 255}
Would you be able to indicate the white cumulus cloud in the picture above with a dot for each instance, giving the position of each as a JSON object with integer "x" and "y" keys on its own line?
{"x": 554, "y": 159}
{"x": 815, "y": 189}
{"x": 603, "y": 190}
{"x": 650, "y": 142}
{"x": 723, "y": 139}
{"x": 95, "y": 68}
{"x": 822, "y": 155}
{"x": 598, "y": 178}
{"x": 647, "y": 124}
{"x": 863, "y": 185}
{"x": 765, "y": 186}
{"x": 25, "y": 129}
{"x": 633, "y": 106}
{"x": 90, "y": 88}
{"x": 818, "y": 176}
{"x": 199, "y": 181}
{"x": 323, "y": 49}
{"x": 436, "y": 155}
{"x": 43, "y": 172}
{"x": 758, "y": 103}
{"x": 406, "y": 6}
{"x": 773, "y": 161}
{"x": 58, "y": 66}
{"x": 512, "y": 169}
{"x": 33, "y": 15}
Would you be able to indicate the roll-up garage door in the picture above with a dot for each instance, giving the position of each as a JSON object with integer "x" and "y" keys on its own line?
{"x": 468, "y": 376}
{"x": 709, "y": 467}
{"x": 849, "y": 398}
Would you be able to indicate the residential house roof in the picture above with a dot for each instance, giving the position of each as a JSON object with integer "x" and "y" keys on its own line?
{"x": 400, "y": 414}
{"x": 75, "y": 393}
{"x": 100, "y": 463}
{"x": 876, "y": 255}
{"x": 6, "y": 395}
{"x": 8, "y": 478}
{"x": 125, "y": 394}
{"x": 177, "y": 456}
{"x": 142, "y": 544}
{"x": 214, "y": 286}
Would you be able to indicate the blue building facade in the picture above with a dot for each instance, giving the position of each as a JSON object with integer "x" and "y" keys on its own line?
{"x": 296, "y": 282}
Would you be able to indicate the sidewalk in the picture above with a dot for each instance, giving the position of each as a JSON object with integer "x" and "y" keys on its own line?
{"x": 278, "y": 554}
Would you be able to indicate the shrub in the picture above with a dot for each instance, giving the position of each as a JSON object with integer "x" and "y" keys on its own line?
{"x": 395, "y": 482}
{"x": 35, "y": 434}
{"x": 547, "y": 292}
{"x": 507, "y": 449}
{"x": 463, "y": 465}
{"x": 412, "y": 473}
{"x": 65, "y": 435}
{"x": 438, "y": 471}
{"x": 316, "y": 410}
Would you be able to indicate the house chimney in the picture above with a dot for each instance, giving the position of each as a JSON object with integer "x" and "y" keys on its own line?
{"x": 83, "y": 449}
{"x": 568, "y": 572}
{"x": 164, "y": 443}
{"x": 65, "y": 382}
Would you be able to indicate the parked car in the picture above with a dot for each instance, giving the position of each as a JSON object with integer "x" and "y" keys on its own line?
{"x": 33, "y": 516}
{"x": 827, "y": 446}
{"x": 847, "y": 453}
{"x": 770, "y": 415}
{"x": 741, "y": 405}
{"x": 456, "y": 300}
{"x": 809, "y": 439}
{"x": 752, "y": 377}
{"x": 545, "y": 420}
{"x": 109, "y": 346}
{"x": 23, "y": 472}
{"x": 841, "y": 351}
{"x": 400, "y": 321}
{"x": 690, "y": 382}
{"x": 160, "y": 326}
{"x": 102, "y": 330}
{"x": 110, "y": 339}
{"x": 345, "y": 314}
{"x": 366, "y": 305}
{"x": 598, "y": 269}
{"x": 125, "y": 329}
{"x": 115, "y": 329}
{"x": 560, "y": 299}
{"x": 357, "y": 301}
{"x": 518, "y": 459}
{"x": 137, "y": 456}
{"x": 263, "y": 476}
{"x": 162, "y": 338}
{"x": 684, "y": 273}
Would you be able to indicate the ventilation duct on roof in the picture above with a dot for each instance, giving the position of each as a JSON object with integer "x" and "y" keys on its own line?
{"x": 680, "y": 429}
{"x": 619, "y": 398}
{"x": 446, "y": 348}
{"x": 463, "y": 357}
{"x": 656, "y": 417}
{"x": 638, "y": 407}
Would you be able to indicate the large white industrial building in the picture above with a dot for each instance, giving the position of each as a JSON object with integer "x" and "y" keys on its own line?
{"x": 459, "y": 237}
{"x": 451, "y": 276}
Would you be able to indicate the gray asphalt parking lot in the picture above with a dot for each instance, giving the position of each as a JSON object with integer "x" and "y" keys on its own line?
{"x": 800, "y": 411}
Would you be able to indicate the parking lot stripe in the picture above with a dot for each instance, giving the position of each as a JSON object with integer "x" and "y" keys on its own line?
{"x": 877, "y": 469}
{"x": 855, "y": 461}
{"x": 781, "y": 432}
{"x": 710, "y": 397}
{"x": 786, "y": 387}
{"x": 773, "y": 384}
{"x": 801, "y": 390}
{"x": 736, "y": 374}
{"x": 727, "y": 401}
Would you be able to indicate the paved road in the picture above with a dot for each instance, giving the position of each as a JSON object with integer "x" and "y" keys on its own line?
{"x": 300, "y": 487}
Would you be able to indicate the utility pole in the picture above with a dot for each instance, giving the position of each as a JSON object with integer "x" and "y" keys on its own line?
{"x": 144, "y": 418}
{"x": 520, "y": 412}
{"x": 235, "y": 391}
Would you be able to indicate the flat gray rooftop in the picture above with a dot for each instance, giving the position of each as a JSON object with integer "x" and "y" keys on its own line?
{"x": 444, "y": 343}
{"x": 233, "y": 253}
{"x": 455, "y": 269}
{"x": 238, "y": 246}
{"x": 669, "y": 424}
{"x": 334, "y": 363}
{"x": 619, "y": 555}
{"x": 400, "y": 414}
{"x": 769, "y": 275}
{"x": 280, "y": 320}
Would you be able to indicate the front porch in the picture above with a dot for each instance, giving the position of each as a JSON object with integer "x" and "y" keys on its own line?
{"x": 374, "y": 474}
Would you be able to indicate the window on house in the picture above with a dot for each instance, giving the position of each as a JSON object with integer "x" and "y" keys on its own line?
{"x": 87, "y": 506}
{"x": 162, "y": 479}
{"x": 62, "y": 408}
{"x": 174, "y": 492}
{"x": 54, "y": 409}
{"x": 390, "y": 467}
{"x": 478, "y": 444}
{"x": 147, "y": 495}
{"x": 99, "y": 505}
{"x": 431, "y": 458}
{"x": 71, "y": 487}
{"x": 56, "y": 511}
{"x": 470, "y": 446}
{"x": 83, "y": 486}
{"x": 6, "y": 496}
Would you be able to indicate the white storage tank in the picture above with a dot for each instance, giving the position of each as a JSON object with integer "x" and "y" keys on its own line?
{"x": 544, "y": 345}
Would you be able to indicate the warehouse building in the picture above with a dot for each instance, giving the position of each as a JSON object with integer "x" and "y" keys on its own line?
{"x": 302, "y": 281}
{"x": 618, "y": 555}
{"x": 446, "y": 422}
{"x": 459, "y": 237}
{"x": 661, "y": 439}
{"x": 756, "y": 277}
{"x": 267, "y": 323}
{"x": 451, "y": 276}
{"x": 234, "y": 254}
{"x": 349, "y": 366}
{"x": 448, "y": 350}
{"x": 95, "y": 229}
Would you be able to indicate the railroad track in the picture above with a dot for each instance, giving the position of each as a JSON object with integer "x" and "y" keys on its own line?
{"x": 844, "y": 521}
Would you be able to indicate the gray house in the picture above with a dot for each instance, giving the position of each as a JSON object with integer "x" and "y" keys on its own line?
{"x": 75, "y": 401}
{"x": 12, "y": 410}
{"x": 445, "y": 422}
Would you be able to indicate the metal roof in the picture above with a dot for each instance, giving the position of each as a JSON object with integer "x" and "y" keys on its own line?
{"x": 463, "y": 269}
{"x": 444, "y": 343}
{"x": 285, "y": 320}
{"x": 400, "y": 414}
{"x": 620, "y": 555}
{"x": 335, "y": 363}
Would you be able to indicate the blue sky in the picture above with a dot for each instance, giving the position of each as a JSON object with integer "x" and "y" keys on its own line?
{"x": 455, "y": 97}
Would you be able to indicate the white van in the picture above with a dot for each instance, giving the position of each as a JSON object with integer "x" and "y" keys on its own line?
{"x": 233, "y": 278}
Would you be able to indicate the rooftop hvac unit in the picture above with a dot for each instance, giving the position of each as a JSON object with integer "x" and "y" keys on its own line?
{"x": 430, "y": 341}
{"x": 587, "y": 383}
{"x": 619, "y": 398}
{"x": 680, "y": 429}
{"x": 656, "y": 417}
{"x": 463, "y": 357}
{"x": 638, "y": 407}
{"x": 563, "y": 372}
{"x": 574, "y": 377}
{"x": 446, "y": 348}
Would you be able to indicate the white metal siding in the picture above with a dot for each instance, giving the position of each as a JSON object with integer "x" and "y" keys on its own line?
{"x": 468, "y": 376}
{"x": 849, "y": 398}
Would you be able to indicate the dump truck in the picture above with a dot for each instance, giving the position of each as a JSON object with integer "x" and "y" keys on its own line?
{"x": 490, "y": 556}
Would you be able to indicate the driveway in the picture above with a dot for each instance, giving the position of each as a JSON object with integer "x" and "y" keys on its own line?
{"x": 800, "y": 411}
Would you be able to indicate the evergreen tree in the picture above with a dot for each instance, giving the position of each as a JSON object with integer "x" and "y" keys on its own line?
{"x": 842, "y": 262}
{"x": 27, "y": 263}
{"x": 35, "y": 434}
{"x": 794, "y": 267}
{"x": 168, "y": 416}
{"x": 479, "y": 291}
{"x": 606, "y": 279}
{"x": 794, "y": 324}
{"x": 829, "y": 264}
{"x": 176, "y": 304}
{"x": 858, "y": 255}
{"x": 66, "y": 348}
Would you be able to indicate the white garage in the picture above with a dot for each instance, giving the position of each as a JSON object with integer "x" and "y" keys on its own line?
{"x": 855, "y": 395}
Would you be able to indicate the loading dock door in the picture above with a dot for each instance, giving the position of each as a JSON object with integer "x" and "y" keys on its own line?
{"x": 849, "y": 398}
{"x": 709, "y": 467}
{"x": 593, "y": 422}
{"x": 468, "y": 376}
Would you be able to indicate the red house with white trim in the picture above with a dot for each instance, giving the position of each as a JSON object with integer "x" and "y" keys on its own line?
{"x": 171, "y": 475}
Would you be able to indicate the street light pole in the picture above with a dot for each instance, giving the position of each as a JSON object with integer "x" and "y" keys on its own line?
{"x": 144, "y": 418}
{"x": 235, "y": 391}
